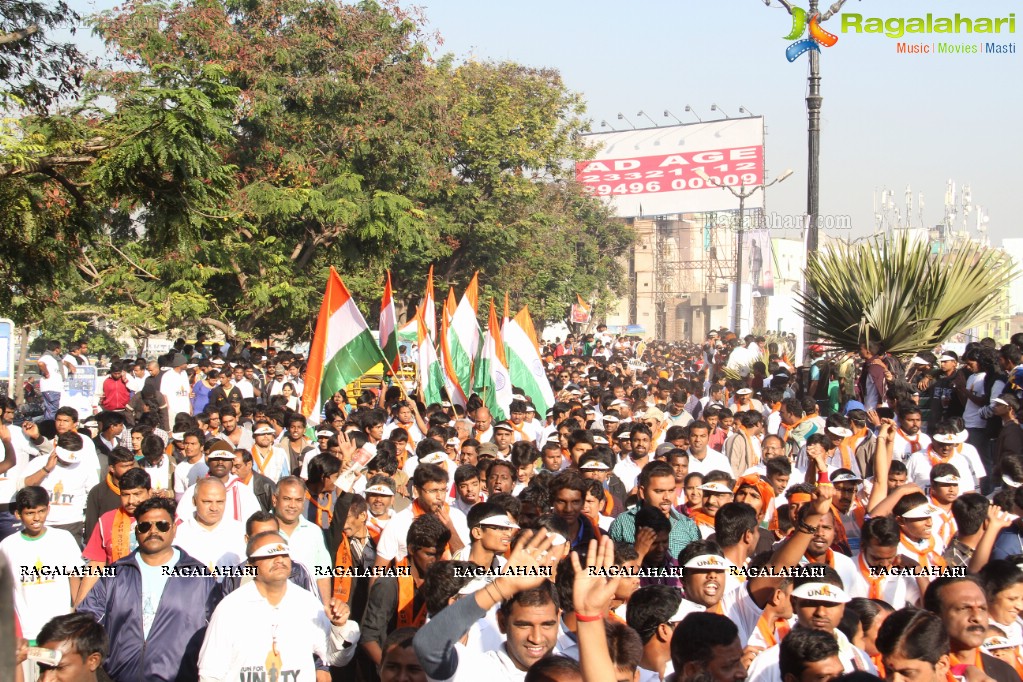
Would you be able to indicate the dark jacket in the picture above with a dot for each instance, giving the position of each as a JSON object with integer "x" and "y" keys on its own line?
{"x": 171, "y": 653}
{"x": 333, "y": 536}
{"x": 264, "y": 489}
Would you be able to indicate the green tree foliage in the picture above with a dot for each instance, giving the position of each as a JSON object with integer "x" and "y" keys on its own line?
{"x": 896, "y": 292}
{"x": 253, "y": 144}
{"x": 34, "y": 69}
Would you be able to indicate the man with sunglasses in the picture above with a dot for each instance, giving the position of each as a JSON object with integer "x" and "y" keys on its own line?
{"x": 156, "y": 603}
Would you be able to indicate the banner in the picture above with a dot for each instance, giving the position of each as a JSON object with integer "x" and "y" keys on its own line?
{"x": 758, "y": 262}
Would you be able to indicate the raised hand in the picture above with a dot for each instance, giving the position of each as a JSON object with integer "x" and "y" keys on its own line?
{"x": 594, "y": 586}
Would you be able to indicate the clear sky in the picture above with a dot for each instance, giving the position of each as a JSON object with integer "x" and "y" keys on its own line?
{"x": 889, "y": 120}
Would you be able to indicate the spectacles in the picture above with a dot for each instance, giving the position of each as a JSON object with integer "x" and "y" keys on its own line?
{"x": 146, "y": 526}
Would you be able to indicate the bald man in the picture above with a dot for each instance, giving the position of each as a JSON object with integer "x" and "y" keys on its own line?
{"x": 483, "y": 425}
{"x": 207, "y": 535}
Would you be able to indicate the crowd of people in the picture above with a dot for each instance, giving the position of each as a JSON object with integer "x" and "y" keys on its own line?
{"x": 703, "y": 512}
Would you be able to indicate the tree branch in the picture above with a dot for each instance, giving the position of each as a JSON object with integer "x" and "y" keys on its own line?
{"x": 15, "y": 36}
{"x": 217, "y": 324}
{"x": 69, "y": 186}
{"x": 133, "y": 263}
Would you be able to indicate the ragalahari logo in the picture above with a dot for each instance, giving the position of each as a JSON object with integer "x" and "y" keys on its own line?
{"x": 818, "y": 36}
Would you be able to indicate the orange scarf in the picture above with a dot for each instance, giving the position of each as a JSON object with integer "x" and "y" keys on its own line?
{"x": 113, "y": 486}
{"x": 374, "y": 527}
{"x": 948, "y": 523}
{"x": 926, "y": 557}
{"x": 417, "y": 509}
{"x": 874, "y": 582}
{"x": 829, "y": 558}
{"x": 935, "y": 458}
{"x": 609, "y": 504}
{"x": 260, "y": 460}
{"x": 406, "y": 602}
{"x": 120, "y": 537}
{"x": 717, "y": 608}
{"x": 977, "y": 661}
{"x": 701, "y": 517}
{"x": 914, "y": 443}
{"x": 320, "y": 510}
{"x": 343, "y": 559}
{"x": 754, "y": 458}
{"x": 848, "y": 447}
{"x": 785, "y": 430}
{"x": 772, "y": 634}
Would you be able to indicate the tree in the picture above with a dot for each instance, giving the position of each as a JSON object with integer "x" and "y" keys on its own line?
{"x": 36, "y": 71}
{"x": 896, "y": 292}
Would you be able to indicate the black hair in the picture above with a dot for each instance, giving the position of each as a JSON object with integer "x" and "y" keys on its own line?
{"x": 932, "y": 596}
{"x": 427, "y": 532}
{"x": 732, "y": 521}
{"x": 480, "y": 511}
{"x": 428, "y": 473}
{"x": 652, "y": 518}
{"x": 157, "y": 503}
{"x": 778, "y": 466}
{"x": 883, "y": 530}
{"x": 465, "y": 473}
{"x": 970, "y": 511}
{"x": 507, "y": 502}
{"x": 649, "y": 607}
{"x": 321, "y": 467}
{"x": 120, "y": 455}
{"x": 917, "y": 634}
{"x": 803, "y": 646}
{"x": 538, "y": 596}
{"x": 30, "y": 497}
{"x": 442, "y": 582}
{"x": 80, "y": 629}
{"x": 654, "y": 469}
{"x": 553, "y": 666}
{"x": 259, "y": 517}
{"x": 999, "y": 575}
{"x": 135, "y": 478}
{"x": 624, "y": 645}
{"x": 866, "y": 611}
{"x": 696, "y": 637}
{"x": 696, "y": 548}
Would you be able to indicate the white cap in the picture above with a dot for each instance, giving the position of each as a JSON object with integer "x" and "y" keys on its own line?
{"x": 271, "y": 549}
{"x": 557, "y": 539}
{"x": 708, "y": 562}
{"x": 263, "y": 431}
{"x": 821, "y": 592}
{"x": 1009, "y": 482}
{"x": 434, "y": 458}
{"x": 947, "y": 479}
{"x": 594, "y": 465}
{"x": 68, "y": 456}
{"x": 716, "y": 487}
{"x": 325, "y": 433}
{"x": 453, "y": 441}
{"x": 945, "y": 438}
{"x": 610, "y": 418}
{"x": 530, "y": 408}
{"x": 845, "y": 478}
{"x": 599, "y": 440}
{"x": 1000, "y": 642}
{"x": 503, "y": 426}
{"x": 1000, "y": 402}
{"x": 178, "y": 435}
{"x": 840, "y": 431}
{"x": 744, "y": 391}
{"x": 944, "y": 358}
{"x": 921, "y": 511}
{"x": 379, "y": 489}
{"x": 500, "y": 521}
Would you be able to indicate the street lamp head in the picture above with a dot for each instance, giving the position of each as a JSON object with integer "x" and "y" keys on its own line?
{"x": 744, "y": 110}
{"x": 715, "y": 107}
{"x": 787, "y": 173}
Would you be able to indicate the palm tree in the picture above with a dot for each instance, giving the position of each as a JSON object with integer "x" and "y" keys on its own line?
{"x": 896, "y": 292}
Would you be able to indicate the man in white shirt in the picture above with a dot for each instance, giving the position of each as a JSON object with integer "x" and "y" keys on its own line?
{"x": 241, "y": 502}
{"x": 703, "y": 460}
{"x": 175, "y": 388}
{"x": 51, "y": 381}
{"x": 273, "y": 627}
{"x": 305, "y": 538}
{"x": 67, "y": 478}
{"x": 267, "y": 458}
{"x": 208, "y": 536}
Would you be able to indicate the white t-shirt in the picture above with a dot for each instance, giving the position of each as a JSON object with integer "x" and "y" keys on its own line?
{"x": 713, "y": 461}
{"x": 249, "y": 637}
{"x": 38, "y": 598}
{"x": 898, "y": 591}
{"x": 737, "y": 605}
{"x": 68, "y": 486}
{"x": 392, "y": 540}
{"x": 308, "y": 547}
{"x": 55, "y": 382}
{"x": 627, "y": 472}
{"x": 919, "y": 468}
{"x": 223, "y": 545}
{"x": 159, "y": 476}
{"x": 276, "y": 465}
{"x": 187, "y": 473}
{"x": 23, "y": 451}
{"x": 175, "y": 387}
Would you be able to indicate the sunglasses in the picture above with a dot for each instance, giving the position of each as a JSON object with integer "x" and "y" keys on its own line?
{"x": 146, "y": 526}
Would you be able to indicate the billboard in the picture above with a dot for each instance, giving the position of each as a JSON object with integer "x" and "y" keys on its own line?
{"x": 657, "y": 171}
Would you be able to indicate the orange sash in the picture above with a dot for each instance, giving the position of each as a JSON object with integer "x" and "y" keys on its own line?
{"x": 772, "y": 634}
{"x": 343, "y": 559}
{"x": 924, "y": 557}
{"x": 848, "y": 446}
{"x": 914, "y": 444}
{"x": 754, "y": 458}
{"x": 120, "y": 536}
{"x": 701, "y": 517}
{"x": 260, "y": 460}
{"x": 374, "y": 527}
{"x": 406, "y": 599}
{"x": 874, "y": 582}
{"x": 935, "y": 458}
{"x": 785, "y": 430}
{"x": 609, "y": 504}
{"x": 417, "y": 509}
{"x": 320, "y": 510}
{"x": 948, "y": 523}
{"x": 829, "y": 558}
{"x": 110, "y": 484}
{"x": 977, "y": 661}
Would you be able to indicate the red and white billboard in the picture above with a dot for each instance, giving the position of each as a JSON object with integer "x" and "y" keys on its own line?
{"x": 658, "y": 171}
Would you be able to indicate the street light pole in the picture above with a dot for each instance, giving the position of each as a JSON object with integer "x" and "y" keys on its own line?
{"x": 741, "y": 195}
{"x": 814, "y": 100}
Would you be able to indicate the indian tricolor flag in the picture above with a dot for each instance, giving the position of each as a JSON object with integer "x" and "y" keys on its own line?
{"x": 451, "y": 383}
{"x": 462, "y": 340}
{"x": 389, "y": 327}
{"x": 493, "y": 383}
{"x": 343, "y": 349}
{"x": 429, "y": 310}
{"x": 524, "y": 363}
{"x": 429, "y": 374}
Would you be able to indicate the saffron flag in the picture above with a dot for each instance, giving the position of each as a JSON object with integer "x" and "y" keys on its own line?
{"x": 389, "y": 328}
{"x": 492, "y": 381}
{"x": 429, "y": 374}
{"x": 429, "y": 310}
{"x": 525, "y": 367}
{"x": 580, "y": 311}
{"x": 462, "y": 340}
{"x": 343, "y": 349}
